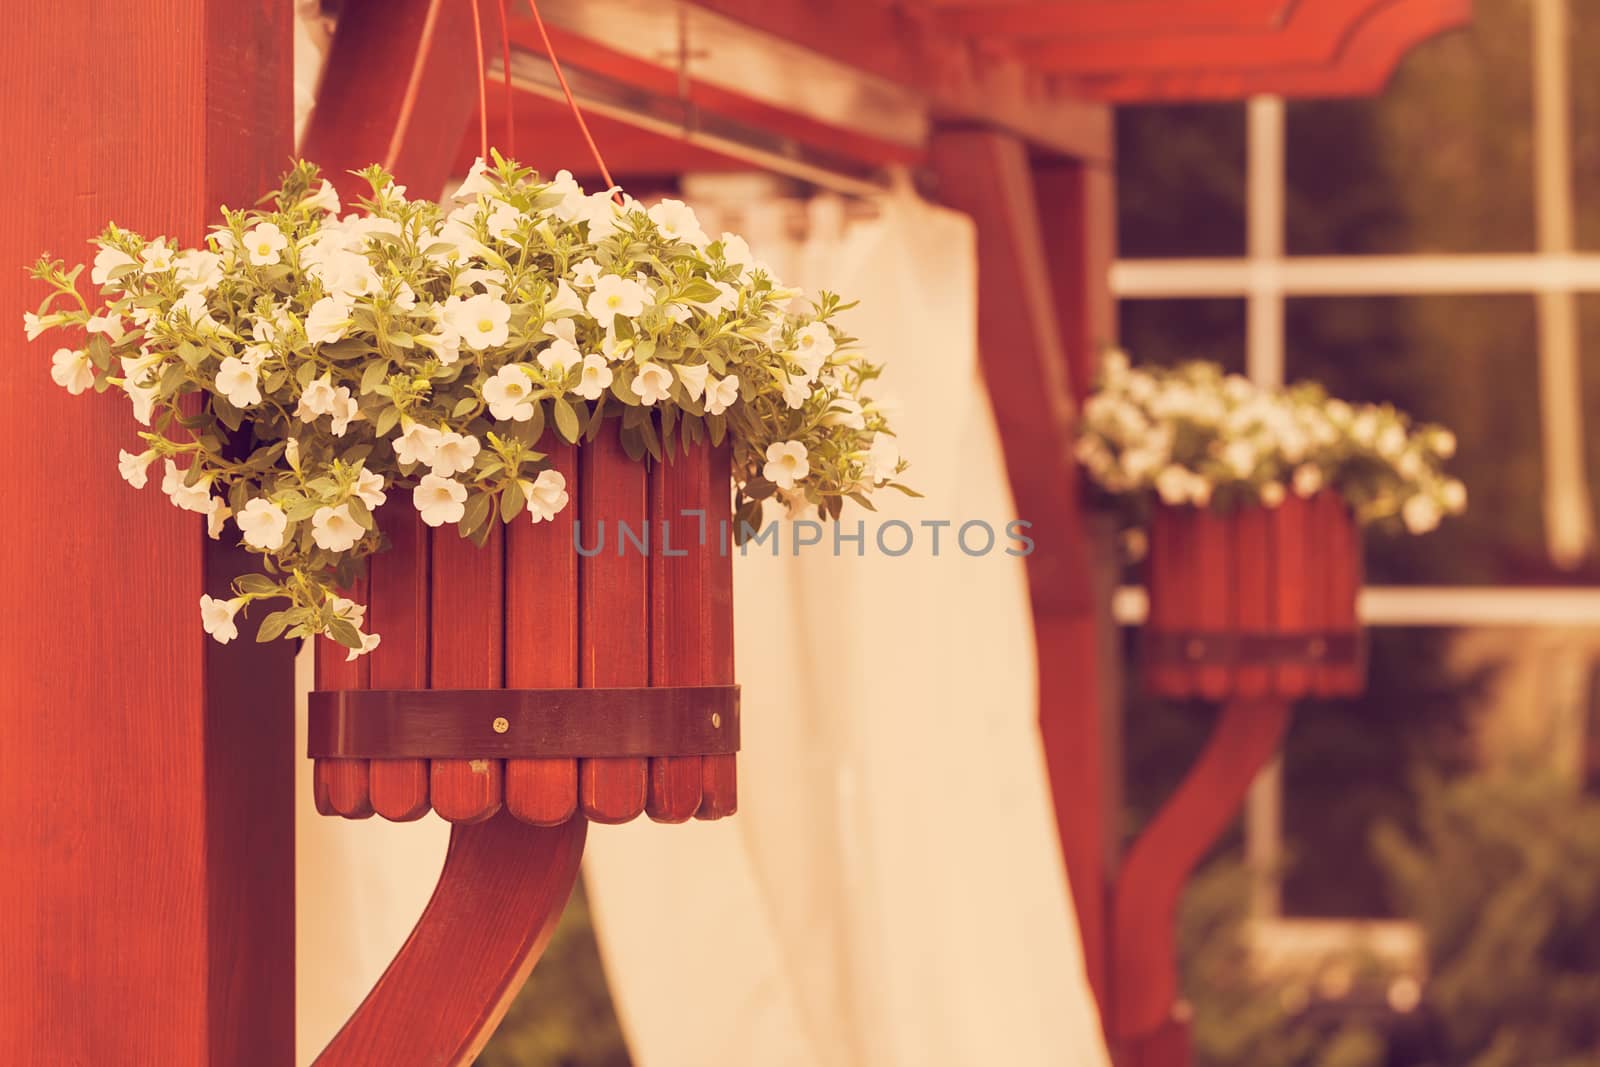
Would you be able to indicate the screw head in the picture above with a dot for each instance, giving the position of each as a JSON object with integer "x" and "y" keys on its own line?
{"x": 716, "y": 720}
{"x": 501, "y": 725}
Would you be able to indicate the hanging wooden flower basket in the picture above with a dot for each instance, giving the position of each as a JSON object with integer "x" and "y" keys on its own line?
{"x": 1256, "y": 603}
{"x": 528, "y": 676}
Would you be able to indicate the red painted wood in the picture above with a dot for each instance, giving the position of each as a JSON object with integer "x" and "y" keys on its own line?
{"x": 1145, "y": 901}
{"x": 145, "y": 772}
{"x": 1166, "y": 1046}
{"x": 679, "y": 613}
{"x": 342, "y": 785}
{"x": 1076, "y": 201}
{"x": 503, "y": 887}
{"x": 1212, "y": 567}
{"x": 1253, "y": 578}
{"x": 542, "y": 639}
{"x": 719, "y": 781}
{"x": 468, "y": 646}
{"x": 1291, "y": 541}
{"x": 1084, "y": 19}
{"x": 613, "y": 622}
{"x": 1340, "y": 579}
{"x": 1168, "y": 599}
{"x": 397, "y": 608}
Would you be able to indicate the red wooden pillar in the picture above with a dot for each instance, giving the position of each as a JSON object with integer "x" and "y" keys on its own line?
{"x": 145, "y": 773}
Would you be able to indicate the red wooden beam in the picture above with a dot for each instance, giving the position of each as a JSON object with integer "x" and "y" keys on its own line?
{"x": 146, "y": 773}
{"x": 1113, "y": 18}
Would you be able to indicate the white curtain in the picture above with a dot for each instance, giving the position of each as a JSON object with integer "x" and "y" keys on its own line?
{"x": 891, "y": 892}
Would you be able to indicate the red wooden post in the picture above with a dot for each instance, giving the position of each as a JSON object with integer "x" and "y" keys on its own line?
{"x": 145, "y": 772}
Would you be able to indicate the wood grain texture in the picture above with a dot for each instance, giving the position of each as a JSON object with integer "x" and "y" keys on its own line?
{"x": 146, "y": 772}
{"x": 467, "y": 652}
{"x": 613, "y": 622}
{"x": 1253, "y": 578}
{"x": 1341, "y": 574}
{"x": 503, "y": 888}
{"x": 680, "y": 652}
{"x": 398, "y": 595}
{"x": 1291, "y": 539}
{"x": 542, "y": 638}
{"x": 719, "y": 778}
{"x": 1212, "y": 565}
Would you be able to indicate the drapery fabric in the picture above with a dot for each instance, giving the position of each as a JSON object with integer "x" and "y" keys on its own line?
{"x": 891, "y": 892}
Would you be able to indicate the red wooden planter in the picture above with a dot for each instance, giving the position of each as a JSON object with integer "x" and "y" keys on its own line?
{"x": 1259, "y": 603}
{"x": 528, "y": 676}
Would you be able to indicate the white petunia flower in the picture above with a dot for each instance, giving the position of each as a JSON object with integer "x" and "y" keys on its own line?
{"x": 144, "y": 400}
{"x": 1307, "y": 481}
{"x": 596, "y": 378}
{"x": 318, "y": 398}
{"x": 585, "y": 274}
{"x": 786, "y": 464}
{"x": 694, "y": 379}
{"x": 335, "y": 529}
{"x": 33, "y": 325}
{"x": 217, "y": 617}
{"x": 502, "y": 219}
{"x": 565, "y": 302}
{"x": 109, "y": 325}
{"x": 1272, "y": 494}
{"x": 445, "y": 344}
{"x": 326, "y": 197}
{"x": 677, "y": 220}
{"x": 454, "y": 453}
{"x": 509, "y": 394}
{"x": 156, "y": 257}
{"x": 264, "y": 244}
{"x": 571, "y": 193}
{"x": 546, "y": 494}
{"x": 346, "y": 409}
{"x": 1443, "y": 443}
{"x": 813, "y": 345}
{"x": 327, "y": 321}
{"x": 217, "y": 517}
{"x": 237, "y": 381}
{"x": 107, "y": 260}
{"x": 195, "y": 498}
{"x": 1453, "y": 495}
{"x": 370, "y": 488}
{"x": 721, "y": 394}
{"x": 263, "y": 524}
{"x": 843, "y": 411}
{"x": 198, "y": 270}
{"x": 368, "y": 643}
{"x": 481, "y": 321}
{"x": 796, "y": 391}
{"x": 135, "y": 468}
{"x": 652, "y": 383}
{"x": 560, "y": 357}
{"x": 70, "y": 368}
{"x": 417, "y": 445}
{"x": 726, "y": 300}
{"x": 1421, "y": 513}
{"x": 439, "y": 500}
{"x": 477, "y": 183}
{"x": 613, "y": 296}
{"x": 883, "y": 458}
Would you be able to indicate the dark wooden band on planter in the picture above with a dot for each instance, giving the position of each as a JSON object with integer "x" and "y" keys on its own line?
{"x": 1247, "y": 649}
{"x": 534, "y": 723}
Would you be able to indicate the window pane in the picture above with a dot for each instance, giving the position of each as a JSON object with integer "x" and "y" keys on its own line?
{"x": 1471, "y": 363}
{"x": 1585, "y": 43}
{"x": 1171, "y": 331}
{"x": 1440, "y": 162}
{"x": 1180, "y": 181}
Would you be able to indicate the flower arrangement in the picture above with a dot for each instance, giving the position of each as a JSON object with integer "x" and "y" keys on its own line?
{"x": 1193, "y": 434}
{"x": 301, "y": 368}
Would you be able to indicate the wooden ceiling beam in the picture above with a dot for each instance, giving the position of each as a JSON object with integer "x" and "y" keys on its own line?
{"x": 1113, "y": 18}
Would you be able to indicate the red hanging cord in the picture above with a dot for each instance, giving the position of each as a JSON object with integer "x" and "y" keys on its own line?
{"x": 505, "y": 64}
{"x": 483, "y": 83}
{"x": 583, "y": 126}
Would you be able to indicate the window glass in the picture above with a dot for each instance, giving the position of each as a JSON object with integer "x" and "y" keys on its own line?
{"x": 1180, "y": 181}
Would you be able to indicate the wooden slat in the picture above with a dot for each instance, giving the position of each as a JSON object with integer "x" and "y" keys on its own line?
{"x": 1082, "y": 19}
{"x": 613, "y": 625}
{"x": 1213, "y": 564}
{"x": 1163, "y": 575}
{"x": 342, "y": 785}
{"x": 1253, "y": 587}
{"x": 398, "y": 609}
{"x": 467, "y": 646}
{"x": 542, "y": 639}
{"x": 1291, "y": 535}
{"x": 719, "y": 780}
{"x": 679, "y": 643}
{"x": 1341, "y": 579}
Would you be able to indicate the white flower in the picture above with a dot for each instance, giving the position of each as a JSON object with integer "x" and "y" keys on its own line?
{"x": 439, "y": 500}
{"x": 144, "y": 400}
{"x": 346, "y": 409}
{"x": 134, "y": 468}
{"x": 335, "y": 529}
{"x": 417, "y": 445}
{"x": 346, "y": 274}
{"x": 198, "y": 270}
{"x": 652, "y": 383}
{"x": 156, "y": 257}
{"x": 585, "y": 274}
{"x": 844, "y": 411}
{"x": 566, "y": 301}
{"x": 721, "y": 393}
{"x": 192, "y": 305}
{"x": 1240, "y": 457}
{"x": 501, "y": 219}
{"x": 264, "y": 244}
{"x": 560, "y": 357}
{"x": 676, "y": 219}
{"x": 369, "y": 487}
{"x": 1421, "y": 513}
{"x": 33, "y": 326}
{"x": 454, "y": 453}
{"x": 813, "y": 345}
{"x": 882, "y": 458}
{"x": 445, "y": 344}
{"x": 1443, "y": 442}
{"x": 727, "y": 299}
{"x": 326, "y": 197}
{"x": 481, "y": 321}
{"x": 1272, "y": 494}
{"x": 572, "y": 198}
{"x": 237, "y": 381}
{"x": 368, "y": 643}
{"x": 107, "y": 260}
{"x": 217, "y": 617}
{"x": 1307, "y": 481}
{"x": 1453, "y": 495}
{"x": 1392, "y": 441}
{"x": 327, "y": 321}
{"x": 348, "y": 610}
{"x": 601, "y": 213}
{"x": 263, "y": 524}
{"x": 318, "y": 398}
{"x": 796, "y": 391}
{"x": 736, "y": 251}
{"x": 508, "y": 394}
{"x": 477, "y": 182}
{"x": 216, "y": 517}
{"x": 786, "y": 464}
{"x": 596, "y": 377}
{"x": 109, "y": 325}
{"x": 615, "y": 296}
{"x": 195, "y": 498}
{"x": 547, "y": 495}
{"x": 72, "y": 370}
{"x": 694, "y": 379}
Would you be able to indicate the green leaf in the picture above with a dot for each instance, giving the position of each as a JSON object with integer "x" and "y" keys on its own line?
{"x": 385, "y": 421}
{"x": 256, "y": 584}
{"x": 275, "y": 624}
{"x": 566, "y": 420}
{"x": 906, "y": 489}
{"x": 476, "y": 515}
{"x": 374, "y": 375}
{"x": 344, "y": 632}
{"x": 511, "y": 501}
{"x": 464, "y": 405}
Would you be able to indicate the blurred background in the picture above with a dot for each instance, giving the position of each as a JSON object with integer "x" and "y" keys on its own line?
{"x": 1417, "y": 881}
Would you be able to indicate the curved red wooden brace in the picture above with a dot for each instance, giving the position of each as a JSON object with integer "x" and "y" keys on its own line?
{"x": 1145, "y": 901}
{"x": 503, "y": 888}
